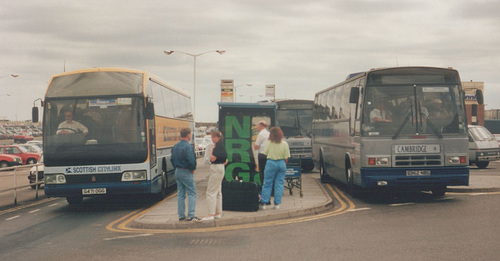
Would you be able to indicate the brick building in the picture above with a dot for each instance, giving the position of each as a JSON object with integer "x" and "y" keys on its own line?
{"x": 475, "y": 111}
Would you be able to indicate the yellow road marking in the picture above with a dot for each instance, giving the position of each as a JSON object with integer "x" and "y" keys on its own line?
{"x": 120, "y": 225}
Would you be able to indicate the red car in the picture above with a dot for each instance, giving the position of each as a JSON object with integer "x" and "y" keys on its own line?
{"x": 7, "y": 160}
{"x": 22, "y": 138}
{"x": 27, "y": 157}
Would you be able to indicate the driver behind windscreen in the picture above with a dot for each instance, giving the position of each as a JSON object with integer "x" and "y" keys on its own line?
{"x": 69, "y": 126}
{"x": 381, "y": 112}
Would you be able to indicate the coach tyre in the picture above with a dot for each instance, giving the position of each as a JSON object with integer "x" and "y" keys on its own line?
{"x": 439, "y": 192}
{"x": 161, "y": 195}
{"x": 322, "y": 170}
{"x": 74, "y": 200}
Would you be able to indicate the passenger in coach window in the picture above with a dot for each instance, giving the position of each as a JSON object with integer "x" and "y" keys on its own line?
{"x": 438, "y": 112}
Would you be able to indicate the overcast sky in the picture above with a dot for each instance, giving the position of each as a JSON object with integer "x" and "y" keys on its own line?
{"x": 300, "y": 46}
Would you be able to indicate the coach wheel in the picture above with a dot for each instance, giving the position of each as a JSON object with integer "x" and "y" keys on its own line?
{"x": 74, "y": 200}
{"x": 322, "y": 171}
{"x": 161, "y": 195}
{"x": 351, "y": 187}
{"x": 439, "y": 192}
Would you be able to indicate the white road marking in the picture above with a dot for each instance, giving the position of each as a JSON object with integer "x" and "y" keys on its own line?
{"x": 11, "y": 218}
{"x": 359, "y": 209}
{"x": 131, "y": 236}
{"x": 401, "y": 204}
{"x": 33, "y": 211}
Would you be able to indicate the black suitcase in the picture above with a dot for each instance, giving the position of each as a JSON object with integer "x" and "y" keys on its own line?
{"x": 240, "y": 195}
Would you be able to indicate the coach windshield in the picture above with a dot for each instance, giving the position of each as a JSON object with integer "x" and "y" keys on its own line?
{"x": 413, "y": 110}
{"x": 93, "y": 130}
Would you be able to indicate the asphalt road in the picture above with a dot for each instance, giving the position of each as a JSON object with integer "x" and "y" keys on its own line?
{"x": 385, "y": 227}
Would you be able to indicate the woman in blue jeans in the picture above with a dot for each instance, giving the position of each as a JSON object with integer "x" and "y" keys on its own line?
{"x": 277, "y": 152}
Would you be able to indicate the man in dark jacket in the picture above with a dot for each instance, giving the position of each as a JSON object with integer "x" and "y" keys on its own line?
{"x": 184, "y": 161}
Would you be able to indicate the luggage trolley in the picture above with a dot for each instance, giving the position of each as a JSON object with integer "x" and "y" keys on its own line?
{"x": 293, "y": 176}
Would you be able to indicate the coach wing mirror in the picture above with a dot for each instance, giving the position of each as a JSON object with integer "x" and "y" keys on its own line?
{"x": 354, "y": 96}
{"x": 34, "y": 110}
{"x": 34, "y": 114}
{"x": 479, "y": 97}
{"x": 149, "y": 113}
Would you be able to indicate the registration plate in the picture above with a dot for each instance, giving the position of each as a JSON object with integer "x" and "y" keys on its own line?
{"x": 94, "y": 191}
{"x": 418, "y": 173}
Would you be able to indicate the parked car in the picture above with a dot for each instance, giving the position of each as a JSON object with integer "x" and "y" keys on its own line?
{"x": 33, "y": 173}
{"x": 31, "y": 147}
{"x": 27, "y": 157}
{"x": 7, "y": 160}
{"x": 497, "y": 136}
{"x": 483, "y": 146}
{"x": 22, "y": 138}
{"x": 36, "y": 142}
{"x": 199, "y": 147}
{"x": 201, "y": 144}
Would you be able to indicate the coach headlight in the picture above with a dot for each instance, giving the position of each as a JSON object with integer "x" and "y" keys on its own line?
{"x": 456, "y": 160}
{"x": 54, "y": 179}
{"x": 378, "y": 161}
{"x": 134, "y": 175}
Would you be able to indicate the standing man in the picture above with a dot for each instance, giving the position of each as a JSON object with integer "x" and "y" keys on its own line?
{"x": 260, "y": 146}
{"x": 184, "y": 161}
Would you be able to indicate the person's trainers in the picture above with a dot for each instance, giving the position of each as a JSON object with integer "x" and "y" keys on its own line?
{"x": 208, "y": 218}
{"x": 218, "y": 216}
{"x": 193, "y": 219}
{"x": 262, "y": 206}
{"x": 277, "y": 206}
{"x": 182, "y": 219}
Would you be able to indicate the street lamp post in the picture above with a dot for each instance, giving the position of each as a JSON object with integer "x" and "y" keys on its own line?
{"x": 194, "y": 73}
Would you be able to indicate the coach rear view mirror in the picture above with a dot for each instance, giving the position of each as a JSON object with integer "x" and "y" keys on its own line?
{"x": 149, "y": 113}
{"x": 34, "y": 114}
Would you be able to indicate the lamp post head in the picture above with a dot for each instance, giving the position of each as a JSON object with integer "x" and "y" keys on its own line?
{"x": 14, "y": 75}
{"x": 221, "y": 52}
{"x": 168, "y": 52}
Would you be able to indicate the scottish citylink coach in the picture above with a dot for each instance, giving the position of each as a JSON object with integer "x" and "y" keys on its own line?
{"x": 110, "y": 131}
{"x": 294, "y": 117}
{"x": 395, "y": 128}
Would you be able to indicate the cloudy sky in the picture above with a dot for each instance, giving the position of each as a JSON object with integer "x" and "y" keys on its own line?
{"x": 300, "y": 46}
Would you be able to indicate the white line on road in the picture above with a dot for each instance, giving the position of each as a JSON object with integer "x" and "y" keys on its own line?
{"x": 359, "y": 209}
{"x": 401, "y": 204}
{"x": 33, "y": 211}
{"x": 53, "y": 205}
{"x": 132, "y": 236}
{"x": 445, "y": 198}
{"x": 11, "y": 218}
